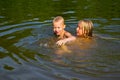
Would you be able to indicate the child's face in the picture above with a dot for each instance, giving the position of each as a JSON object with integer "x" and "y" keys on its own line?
{"x": 58, "y": 28}
{"x": 79, "y": 30}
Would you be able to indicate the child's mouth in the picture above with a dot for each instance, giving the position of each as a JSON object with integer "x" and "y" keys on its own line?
{"x": 56, "y": 32}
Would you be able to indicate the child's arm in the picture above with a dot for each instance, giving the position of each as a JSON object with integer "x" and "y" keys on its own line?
{"x": 68, "y": 39}
{"x": 63, "y": 41}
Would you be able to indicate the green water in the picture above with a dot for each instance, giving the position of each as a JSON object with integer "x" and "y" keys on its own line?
{"x": 27, "y": 44}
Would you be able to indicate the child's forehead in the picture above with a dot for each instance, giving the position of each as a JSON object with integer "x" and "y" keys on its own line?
{"x": 57, "y": 23}
{"x": 82, "y": 23}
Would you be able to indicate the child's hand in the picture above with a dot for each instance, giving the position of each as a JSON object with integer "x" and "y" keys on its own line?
{"x": 61, "y": 42}
{"x": 64, "y": 41}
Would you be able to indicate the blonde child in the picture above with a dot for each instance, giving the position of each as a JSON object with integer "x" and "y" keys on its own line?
{"x": 59, "y": 30}
{"x": 84, "y": 29}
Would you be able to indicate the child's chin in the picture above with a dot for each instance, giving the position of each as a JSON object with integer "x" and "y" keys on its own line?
{"x": 78, "y": 35}
{"x": 56, "y": 34}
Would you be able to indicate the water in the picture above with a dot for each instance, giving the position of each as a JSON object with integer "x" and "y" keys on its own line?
{"x": 27, "y": 43}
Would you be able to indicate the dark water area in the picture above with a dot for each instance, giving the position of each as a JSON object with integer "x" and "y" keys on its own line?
{"x": 27, "y": 44}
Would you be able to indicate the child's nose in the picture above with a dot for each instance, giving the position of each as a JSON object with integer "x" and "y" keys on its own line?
{"x": 57, "y": 29}
{"x": 76, "y": 29}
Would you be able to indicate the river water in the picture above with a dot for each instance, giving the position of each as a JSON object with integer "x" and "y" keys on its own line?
{"x": 27, "y": 43}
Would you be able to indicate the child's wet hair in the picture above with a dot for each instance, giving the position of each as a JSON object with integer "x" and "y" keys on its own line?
{"x": 87, "y": 27}
{"x": 58, "y": 18}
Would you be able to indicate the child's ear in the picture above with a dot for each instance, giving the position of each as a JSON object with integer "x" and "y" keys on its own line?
{"x": 64, "y": 26}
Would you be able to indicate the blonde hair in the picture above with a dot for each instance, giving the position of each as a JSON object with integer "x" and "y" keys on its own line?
{"x": 87, "y": 27}
{"x": 58, "y": 18}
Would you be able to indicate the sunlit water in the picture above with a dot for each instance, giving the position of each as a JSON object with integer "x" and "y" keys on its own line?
{"x": 28, "y": 50}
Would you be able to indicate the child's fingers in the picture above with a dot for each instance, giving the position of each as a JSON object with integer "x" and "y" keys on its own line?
{"x": 60, "y": 43}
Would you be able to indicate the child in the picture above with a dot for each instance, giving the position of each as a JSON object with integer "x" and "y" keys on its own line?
{"x": 58, "y": 28}
{"x": 84, "y": 34}
{"x": 84, "y": 29}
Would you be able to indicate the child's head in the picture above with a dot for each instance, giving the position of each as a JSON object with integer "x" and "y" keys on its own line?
{"x": 84, "y": 28}
{"x": 58, "y": 25}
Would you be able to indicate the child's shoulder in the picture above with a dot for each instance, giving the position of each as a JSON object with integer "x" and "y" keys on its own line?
{"x": 67, "y": 33}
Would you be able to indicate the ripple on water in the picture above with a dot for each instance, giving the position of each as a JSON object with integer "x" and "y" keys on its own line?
{"x": 30, "y": 47}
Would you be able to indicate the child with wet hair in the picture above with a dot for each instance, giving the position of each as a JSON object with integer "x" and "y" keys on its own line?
{"x": 59, "y": 30}
{"x": 84, "y": 29}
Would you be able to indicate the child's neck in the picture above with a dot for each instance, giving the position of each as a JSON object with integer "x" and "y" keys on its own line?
{"x": 62, "y": 35}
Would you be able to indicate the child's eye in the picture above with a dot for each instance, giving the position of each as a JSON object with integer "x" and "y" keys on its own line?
{"x": 79, "y": 27}
{"x": 58, "y": 27}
